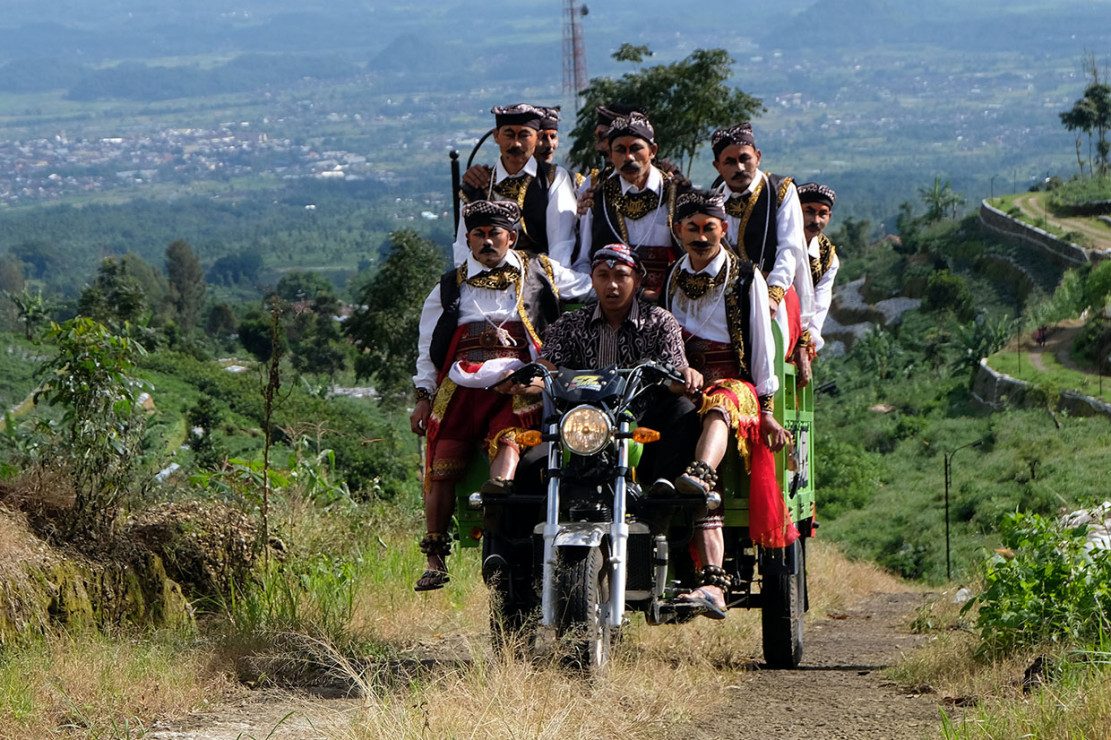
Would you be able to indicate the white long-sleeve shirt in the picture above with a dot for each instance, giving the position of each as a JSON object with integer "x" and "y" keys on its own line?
{"x": 823, "y": 295}
{"x": 652, "y": 230}
{"x": 495, "y": 307}
{"x": 560, "y": 216}
{"x": 706, "y": 318}
{"x": 792, "y": 266}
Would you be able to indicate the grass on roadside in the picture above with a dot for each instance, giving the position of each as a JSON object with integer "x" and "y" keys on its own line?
{"x": 92, "y": 685}
{"x": 1018, "y": 365}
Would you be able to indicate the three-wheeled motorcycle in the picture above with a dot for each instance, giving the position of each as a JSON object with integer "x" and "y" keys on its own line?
{"x": 576, "y": 555}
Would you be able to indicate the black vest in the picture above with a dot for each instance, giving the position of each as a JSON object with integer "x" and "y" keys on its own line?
{"x": 760, "y": 239}
{"x": 540, "y": 305}
{"x": 532, "y": 232}
{"x": 738, "y": 309}
{"x": 606, "y": 213}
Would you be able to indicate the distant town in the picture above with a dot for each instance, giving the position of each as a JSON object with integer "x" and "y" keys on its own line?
{"x": 37, "y": 170}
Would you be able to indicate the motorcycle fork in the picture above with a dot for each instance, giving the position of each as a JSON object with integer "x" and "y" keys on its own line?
{"x": 619, "y": 531}
{"x": 551, "y": 529}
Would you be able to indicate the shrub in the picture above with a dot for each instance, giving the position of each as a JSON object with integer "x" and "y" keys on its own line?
{"x": 1043, "y": 587}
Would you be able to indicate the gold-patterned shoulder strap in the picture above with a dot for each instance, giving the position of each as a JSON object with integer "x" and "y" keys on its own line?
{"x": 525, "y": 320}
{"x": 546, "y": 263}
{"x": 461, "y": 274}
{"x": 672, "y": 194}
{"x": 779, "y": 196}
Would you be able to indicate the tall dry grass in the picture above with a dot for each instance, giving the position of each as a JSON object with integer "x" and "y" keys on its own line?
{"x": 660, "y": 677}
{"x": 92, "y": 685}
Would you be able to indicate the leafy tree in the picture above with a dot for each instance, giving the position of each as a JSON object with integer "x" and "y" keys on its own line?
{"x": 115, "y": 295}
{"x": 686, "y": 101}
{"x": 221, "y": 322}
{"x": 234, "y": 269}
{"x": 208, "y": 452}
{"x": 317, "y": 345}
{"x": 940, "y": 199}
{"x": 92, "y": 379}
{"x": 851, "y": 237}
{"x": 187, "y": 287}
{"x": 32, "y": 309}
{"x": 1092, "y": 113}
{"x": 980, "y": 338}
{"x": 303, "y": 285}
{"x": 385, "y": 326}
{"x": 1097, "y": 288}
{"x": 254, "y": 335}
{"x": 948, "y": 293}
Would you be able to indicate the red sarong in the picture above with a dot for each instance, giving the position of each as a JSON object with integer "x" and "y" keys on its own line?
{"x": 769, "y": 521}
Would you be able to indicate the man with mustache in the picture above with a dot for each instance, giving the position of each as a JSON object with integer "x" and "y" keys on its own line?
{"x": 481, "y": 321}
{"x": 634, "y": 204}
{"x": 547, "y": 138}
{"x": 765, "y": 226}
{"x": 721, "y": 301}
{"x": 543, "y": 192}
{"x": 817, "y": 210}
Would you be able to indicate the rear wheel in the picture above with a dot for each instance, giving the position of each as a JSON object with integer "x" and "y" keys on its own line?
{"x": 784, "y": 604}
{"x": 512, "y": 619}
{"x": 583, "y": 588}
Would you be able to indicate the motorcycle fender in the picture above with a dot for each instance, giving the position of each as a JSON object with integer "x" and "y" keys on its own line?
{"x": 580, "y": 534}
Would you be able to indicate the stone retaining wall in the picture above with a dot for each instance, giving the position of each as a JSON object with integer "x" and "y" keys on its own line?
{"x": 1067, "y": 253}
{"x": 997, "y": 390}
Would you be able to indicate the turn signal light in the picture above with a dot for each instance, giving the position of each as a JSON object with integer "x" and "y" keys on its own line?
{"x": 643, "y": 435}
{"x": 476, "y": 533}
{"x": 530, "y": 438}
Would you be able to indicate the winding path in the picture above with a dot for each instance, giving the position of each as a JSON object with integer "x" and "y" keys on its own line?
{"x": 1100, "y": 235}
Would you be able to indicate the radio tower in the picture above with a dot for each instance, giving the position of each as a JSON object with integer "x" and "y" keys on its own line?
{"x": 574, "y": 51}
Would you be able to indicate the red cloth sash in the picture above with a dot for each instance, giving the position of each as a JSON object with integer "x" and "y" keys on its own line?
{"x": 769, "y": 520}
{"x": 794, "y": 320}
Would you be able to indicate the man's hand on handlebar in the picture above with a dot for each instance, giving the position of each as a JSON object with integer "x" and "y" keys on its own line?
{"x": 692, "y": 382}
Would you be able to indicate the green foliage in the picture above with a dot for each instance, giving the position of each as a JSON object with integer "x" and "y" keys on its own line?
{"x": 685, "y": 101}
{"x": 849, "y": 475}
{"x": 186, "y": 279}
{"x": 32, "y": 309}
{"x": 948, "y": 293}
{"x": 980, "y": 338}
{"x": 115, "y": 297}
{"x": 1048, "y": 588}
{"x": 385, "y": 327}
{"x": 92, "y": 379}
{"x": 208, "y": 452}
{"x": 940, "y": 200}
{"x": 367, "y": 442}
{"x": 304, "y": 285}
{"x": 1090, "y": 195}
{"x": 1097, "y": 287}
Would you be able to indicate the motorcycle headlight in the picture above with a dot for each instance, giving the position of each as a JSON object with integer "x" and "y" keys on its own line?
{"x": 585, "y": 430}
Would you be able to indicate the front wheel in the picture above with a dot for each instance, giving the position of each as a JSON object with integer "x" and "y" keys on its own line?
{"x": 784, "y": 603}
{"x": 583, "y": 591}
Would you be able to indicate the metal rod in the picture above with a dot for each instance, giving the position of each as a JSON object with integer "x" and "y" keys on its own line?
{"x": 456, "y": 184}
{"x": 551, "y": 529}
{"x": 619, "y": 534}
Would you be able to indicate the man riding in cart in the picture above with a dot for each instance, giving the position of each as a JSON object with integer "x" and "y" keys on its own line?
{"x": 721, "y": 301}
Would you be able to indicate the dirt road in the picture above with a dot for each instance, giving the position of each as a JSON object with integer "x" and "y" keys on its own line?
{"x": 840, "y": 691}
{"x": 1099, "y": 236}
